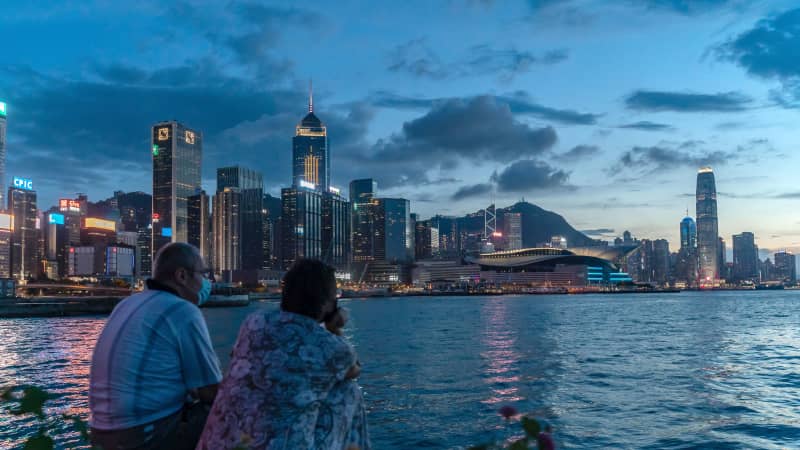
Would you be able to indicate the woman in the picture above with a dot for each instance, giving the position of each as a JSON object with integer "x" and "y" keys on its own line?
{"x": 291, "y": 382}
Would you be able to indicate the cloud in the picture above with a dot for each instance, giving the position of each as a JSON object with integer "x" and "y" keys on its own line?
{"x": 416, "y": 58}
{"x": 660, "y": 158}
{"x": 474, "y": 190}
{"x": 647, "y": 126}
{"x": 529, "y": 175}
{"x": 578, "y": 152}
{"x": 687, "y": 102}
{"x": 690, "y": 7}
{"x": 519, "y": 102}
{"x": 770, "y": 50}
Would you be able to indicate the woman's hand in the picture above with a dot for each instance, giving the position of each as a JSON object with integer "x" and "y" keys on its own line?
{"x": 336, "y": 322}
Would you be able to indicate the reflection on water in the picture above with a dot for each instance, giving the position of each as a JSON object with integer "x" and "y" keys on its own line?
{"x": 499, "y": 340}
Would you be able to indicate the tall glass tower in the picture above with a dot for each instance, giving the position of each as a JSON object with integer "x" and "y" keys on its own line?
{"x": 688, "y": 233}
{"x": 707, "y": 227}
{"x": 177, "y": 152}
{"x": 2, "y": 152}
{"x": 311, "y": 166}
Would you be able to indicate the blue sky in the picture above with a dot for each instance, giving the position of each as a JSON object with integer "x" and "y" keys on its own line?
{"x": 601, "y": 111}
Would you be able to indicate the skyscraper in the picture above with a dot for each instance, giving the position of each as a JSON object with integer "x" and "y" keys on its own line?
{"x": 177, "y": 154}
{"x": 227, "y": 232}
{"x": 25, "y": 239}
{"x": 786, "y": 267}
{"x": 512, "y": 230}
{"x": 301, "y": 224}
{"x": 686, "y": 264}
{"x": 250, "y": 185}
{"x": 335, "y": 230}
{"x": 199, "y": 225}
{"x": 394, "y": 238}
{"x": 707, "y": 227}
{"x": 2, "y": 150}
{"x": 688, "y": 233}
{"x": 426, "y": 240}
{"x": 362, "y": 193}
{"x": 745, "y": 257}
{"x": 311, "y": 161}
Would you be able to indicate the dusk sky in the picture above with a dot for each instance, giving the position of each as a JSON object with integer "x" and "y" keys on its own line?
{"x": 599, "y": 110}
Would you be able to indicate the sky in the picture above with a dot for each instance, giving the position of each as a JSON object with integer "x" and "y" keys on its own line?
{"x": 599, "y": 110}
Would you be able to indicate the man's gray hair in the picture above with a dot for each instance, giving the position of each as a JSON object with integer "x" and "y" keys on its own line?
{"x": 173, "y": 256}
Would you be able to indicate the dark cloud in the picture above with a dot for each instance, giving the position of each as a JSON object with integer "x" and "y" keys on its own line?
{"x": 664, "y": 157}
{"x": 415, "y": 57}
{"x": 519, "y": 102}
{"x": 690, "y": 7}
{"x": 529, "y": 175}
{"x": 687, "y": 102}
{"x": 578, "y": 152}
{"x": 770, "y": 50}
{"x": 453, "y": 132}
{"x": 598, "y": 231}
{"x": 647, "y": 126}
{"x": 474, "y": 190}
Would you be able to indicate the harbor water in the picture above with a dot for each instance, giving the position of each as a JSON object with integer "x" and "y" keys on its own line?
{"x": 687, "y": 370}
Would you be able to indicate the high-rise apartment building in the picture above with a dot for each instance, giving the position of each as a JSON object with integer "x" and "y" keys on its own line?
{"x": 707, "y": 228}
{"x": 227, "y": 232}
{"x": 25, "y": 239}
{"x": 426, "y": 240}
{"x": 177, "y": 154}
{"x": 250, "y": 185}
{"x": 745, "y": 257}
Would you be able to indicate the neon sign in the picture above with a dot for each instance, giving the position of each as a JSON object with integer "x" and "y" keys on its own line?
{"x": 6, "y": 222}
{"x": 67, "y": 205}
{"x": 189, "y": 137}
{"x": 23, "y": 183}
{"x": 91, "y": 222}
{"x": 166, "y": 232}
{"x": 335, "y": 190}
{"x": 3, "y": 109}
{"x": 306, "y": 184}
{"x": 57, "y": 219}
{"x": 163, "y": 134}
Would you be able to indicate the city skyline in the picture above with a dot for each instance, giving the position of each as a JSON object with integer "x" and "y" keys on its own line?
{"x": 433, "y": 120}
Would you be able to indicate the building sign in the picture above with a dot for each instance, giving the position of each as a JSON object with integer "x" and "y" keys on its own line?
{"x": 335, "y": 190}
{"x": 155, "y": 149}
{"x": 56, "y": 218}
{"x": 306, "y": 184}
{"x": 23, "y": 183}
{"x": 67, "y": 205}
{"x": 163, "y": 134}
{"x": 3, "y": 109}
{"x": 91, "y": 222}
{"x": 189, "y": 135}
{"x": 6, "y": 222}
{"x": 156, "y": 216}
{"x": 166, "y": 232}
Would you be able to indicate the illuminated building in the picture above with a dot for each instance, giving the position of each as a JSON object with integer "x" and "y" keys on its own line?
{"x": 745, "y": 257}
{"x": 6, "y": 232}
{"x": 25, "y": 239}
{"x": 227, "y": 232}
{"x": 426, "y": 240}
{"x": 119, "y": 261}
{"x": 3, "y": 112}
{"x": 135, "y": 209}
{"x": 394, "y": 238}
{"x": 785, "y": 267}
{"x": 362, "y": 193}
{"x": 177, "y": 153}
{"x": 512, "y": 230}
{"x": 144, "y": 264}
{"x": 250, "y": 186}
{"x": 707, "y": 228}
{"x": 311, "y": 161}
{"x": 301, "y": 225}
{"x": 199, "y": 226}
{"x": 686, "y": 263}
{"x": 271, "y": 216}
{"x": 335, "y": 221}
{"x": 688, "y": 233}
{"x": 56, "y": 243}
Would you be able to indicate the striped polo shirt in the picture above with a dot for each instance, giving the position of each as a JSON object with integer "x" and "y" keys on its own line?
{"x": 153, "y": 349}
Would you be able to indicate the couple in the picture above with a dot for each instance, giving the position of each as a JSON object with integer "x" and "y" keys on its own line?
{"x": 290, "y": 385}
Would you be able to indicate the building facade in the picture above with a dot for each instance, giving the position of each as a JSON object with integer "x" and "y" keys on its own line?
{"x": 177, "y": 154}
{"x": 3, "y": 118}
{"x": 745, "y": 257}
{"x": 785, "y": 267}
{"x": 250, "y": 185}
{"x": 199, "y": 226}
{"x": 707, "y": 228}
{"x": 512, "y": 230}
{"x": 25, "y": 239}
{"x": 301, "y": 225}
{"x": 362, "y": 195}
{"x": 310, "y": 157}
{"x": 227, "y": 232}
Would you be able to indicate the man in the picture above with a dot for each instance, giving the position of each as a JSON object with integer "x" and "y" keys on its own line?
{"x": 153, "y": 353}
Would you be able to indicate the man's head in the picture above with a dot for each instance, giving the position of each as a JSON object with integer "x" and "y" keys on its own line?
{"x": 180, "y": 266}
{"x": 309, "y": 288}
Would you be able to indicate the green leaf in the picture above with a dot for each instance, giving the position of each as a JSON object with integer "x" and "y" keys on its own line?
{"x": 531, "y": 427}
{"x": 40, "y": 441}
{"x": 521, "y": 444}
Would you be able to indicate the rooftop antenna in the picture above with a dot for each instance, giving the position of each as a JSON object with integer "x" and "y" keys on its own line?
{"x": 310, "y": 96}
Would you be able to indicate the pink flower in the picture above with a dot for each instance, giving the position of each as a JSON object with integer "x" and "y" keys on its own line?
{"x": 507, "y": 411}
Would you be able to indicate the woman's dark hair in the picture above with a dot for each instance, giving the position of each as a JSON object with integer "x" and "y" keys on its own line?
{"x": 307, "y": 285}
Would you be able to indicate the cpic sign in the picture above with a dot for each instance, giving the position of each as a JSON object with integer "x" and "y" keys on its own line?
{"x": 23, "y": 183}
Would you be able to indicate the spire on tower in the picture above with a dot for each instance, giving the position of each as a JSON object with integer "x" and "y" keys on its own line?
{"x": 310, "y": 96}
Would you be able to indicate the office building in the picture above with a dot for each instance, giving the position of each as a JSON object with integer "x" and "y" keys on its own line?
{"x": 745, "y": 257}
{"x": 301, "y": 225}
{"x": 512, "y": 230}
{"x": 271, "y": 214}
{"x": 660, "y": 261}
{"x": 785, "y": 267}
{"x": 56, "y": 244}
{"x": 362, "y": 195}
{"x": 708, "y": 250}
{"x": 688, "y": 233}
{"x": 227, "y": 232}
{"x": 25, "y": 239}
{"x": 335, "y": 222}
{"x": 3, "y": 118}
{"x": 177, "y": 154}
{"x": 394, "y": 238}
{"x": 135, "y": 210}
{"x": 311, "y": 161}
{"x": 144, "y": 263}
{"x": 250, "y": 186}
{"x": 199, "y": 226}
{"x": 426, "y": 240}
{"x": 6, "y": 233}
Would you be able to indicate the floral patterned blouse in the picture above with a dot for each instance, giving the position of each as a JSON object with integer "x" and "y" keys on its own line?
{"x": 286, "y": 389}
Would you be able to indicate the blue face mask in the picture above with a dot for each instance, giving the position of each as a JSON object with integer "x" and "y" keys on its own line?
{"x": 205, "y": 292}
